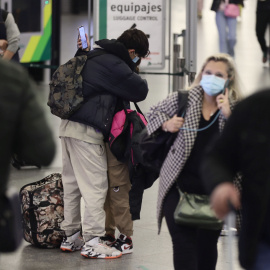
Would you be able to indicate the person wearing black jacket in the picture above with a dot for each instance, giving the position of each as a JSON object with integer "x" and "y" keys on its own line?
{"x": 244, "y": 146}
{"x": 108, "y": 80}
{"x": 25, "y": 131}
{"x": 226, "y": 25}
{"x": 262, "y": 20}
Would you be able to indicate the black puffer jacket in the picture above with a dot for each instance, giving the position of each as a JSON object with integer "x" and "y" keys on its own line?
{"x": 216, "y": 4}
{"x": 108, "y": 79}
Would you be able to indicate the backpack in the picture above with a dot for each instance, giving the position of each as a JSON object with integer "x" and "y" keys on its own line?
{"x": 43, "y": 211}
{"x": 126, "y": 128}
{"x": 122, "y": 131}
{"x": 66, "y": 89}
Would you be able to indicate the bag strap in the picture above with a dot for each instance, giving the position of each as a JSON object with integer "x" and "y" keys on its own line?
{"x": 136, "y": 106}
{"x": 182, "y": 103}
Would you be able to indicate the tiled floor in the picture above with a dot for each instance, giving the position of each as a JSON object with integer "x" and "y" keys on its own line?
{"x": 151, "y": 251}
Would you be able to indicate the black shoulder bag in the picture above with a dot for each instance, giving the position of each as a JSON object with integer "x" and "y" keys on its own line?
{"x": 155, "y": 147}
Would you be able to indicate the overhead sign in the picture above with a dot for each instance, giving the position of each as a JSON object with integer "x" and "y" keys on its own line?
{"x": 116, "y": 16}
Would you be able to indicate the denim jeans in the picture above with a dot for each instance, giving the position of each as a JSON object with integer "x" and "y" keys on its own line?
{"x": 227, "y": 33}
{"x": 263, "y": 257}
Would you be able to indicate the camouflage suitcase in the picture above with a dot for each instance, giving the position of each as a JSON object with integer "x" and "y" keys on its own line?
{"x": 43, "y": 211}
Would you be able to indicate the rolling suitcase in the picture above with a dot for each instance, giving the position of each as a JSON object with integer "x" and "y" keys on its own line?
{"x": 43, "y": 211}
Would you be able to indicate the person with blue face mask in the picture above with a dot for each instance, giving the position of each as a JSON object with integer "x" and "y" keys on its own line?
{"x": 212, "y": 84}
{"x": 208, "y": 108}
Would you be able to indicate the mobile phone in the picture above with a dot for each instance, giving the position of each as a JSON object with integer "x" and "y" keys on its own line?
{"x": 225, "y": 86}
{"x": 83, "y": 37}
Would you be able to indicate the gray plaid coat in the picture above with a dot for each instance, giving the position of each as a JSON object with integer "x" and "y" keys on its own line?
{"x": 184, "y": 142}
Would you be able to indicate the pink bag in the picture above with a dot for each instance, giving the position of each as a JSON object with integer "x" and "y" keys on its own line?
{"x": 126, "y": 124}
{"x": 232, "y": 11}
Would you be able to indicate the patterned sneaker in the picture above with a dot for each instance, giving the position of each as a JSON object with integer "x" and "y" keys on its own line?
{"x": 108, "y": 239}
{"x": 124, "y": 244}
{"x": 94, "y": 249}
{"x": 72, "y": 243}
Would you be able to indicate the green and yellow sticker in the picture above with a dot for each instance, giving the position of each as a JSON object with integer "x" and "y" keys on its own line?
{"x": 39, "y": 46}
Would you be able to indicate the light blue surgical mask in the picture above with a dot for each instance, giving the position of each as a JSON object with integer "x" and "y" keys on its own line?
{"x": 212, "y": 85}
{"x": 136, "y": 59}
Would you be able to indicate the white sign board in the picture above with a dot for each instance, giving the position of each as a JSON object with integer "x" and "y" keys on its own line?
{"x": 116, "y": 16}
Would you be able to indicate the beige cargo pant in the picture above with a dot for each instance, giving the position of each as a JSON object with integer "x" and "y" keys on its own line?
{"x": 117, "y": 200}
{"x": 84, "y": 175}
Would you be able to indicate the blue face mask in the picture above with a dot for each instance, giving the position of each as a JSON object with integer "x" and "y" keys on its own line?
{"x": 212, "y": 85}
{"x": 136, "y": 59}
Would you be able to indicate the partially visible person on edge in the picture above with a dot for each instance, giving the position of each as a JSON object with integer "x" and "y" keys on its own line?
{"x": 193, "y": 248}
{"x": 262, "y": 21}
{"x": 244, "y": 146}
{"x": 24, "y": 127}
{"x": 226, "y": 25}
{"x": 108, "y": 80}
{"x": 9, "y": 37}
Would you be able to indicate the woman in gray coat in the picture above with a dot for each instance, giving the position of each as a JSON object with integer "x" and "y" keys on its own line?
{"x": 193, "y": 248}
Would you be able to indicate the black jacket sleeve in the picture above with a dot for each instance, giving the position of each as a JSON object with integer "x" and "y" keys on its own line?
{"x": 34, "y": 139}
{"x": 111, "y": 74}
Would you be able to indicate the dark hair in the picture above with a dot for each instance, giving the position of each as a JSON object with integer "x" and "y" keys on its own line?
{"x": 137, "y": 40}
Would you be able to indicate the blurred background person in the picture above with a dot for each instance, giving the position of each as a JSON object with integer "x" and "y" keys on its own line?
{"x": 24, "y": 129}
{"x": 9, "y": 36}
{"x": 244, "y": 146}
{"x": 226, "y": 25}
{"x": 262, "y": 21}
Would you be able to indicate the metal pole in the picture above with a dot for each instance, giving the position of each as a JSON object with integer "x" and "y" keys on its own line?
{"x": 89, "y": 20}
{"x": 170, "y": 51}
{"x": 56, "y": 31}
{"x": 176, "y": 55}
{"x": 95, "y": 20}
{"x": 181, "y": 61}
{"x": 191, "y": 38}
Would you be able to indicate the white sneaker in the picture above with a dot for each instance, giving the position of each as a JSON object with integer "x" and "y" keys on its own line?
{"x": 94, "y": 249}
{"x": 72, "y": 243}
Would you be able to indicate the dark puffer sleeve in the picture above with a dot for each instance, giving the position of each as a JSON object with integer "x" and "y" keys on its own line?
{"x": 111, "y": 74}
{"x": 34, "y": 139}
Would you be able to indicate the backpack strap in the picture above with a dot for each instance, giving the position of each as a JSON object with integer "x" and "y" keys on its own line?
{"x": 182, "y": 103}
{"x": 136, "y": 106}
